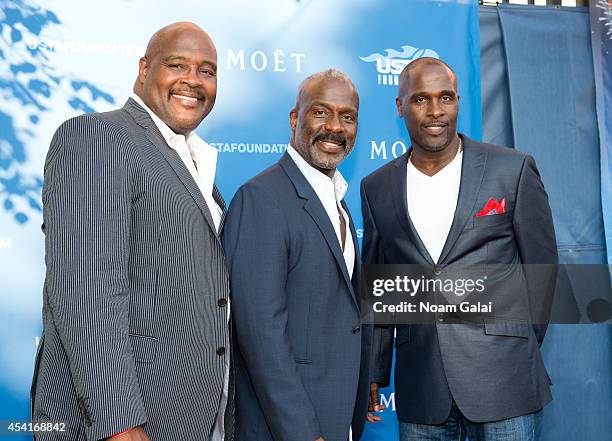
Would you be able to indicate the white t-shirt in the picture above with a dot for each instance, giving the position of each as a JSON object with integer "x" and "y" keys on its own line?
{"x": 432, "y": 201}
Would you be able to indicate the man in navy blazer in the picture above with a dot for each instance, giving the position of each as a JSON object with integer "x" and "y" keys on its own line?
{"x": 302, "y": 355}
{"x": 452, "y": 201}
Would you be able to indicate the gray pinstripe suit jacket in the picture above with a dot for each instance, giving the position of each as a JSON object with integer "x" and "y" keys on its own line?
{"x": 135, "y": 316}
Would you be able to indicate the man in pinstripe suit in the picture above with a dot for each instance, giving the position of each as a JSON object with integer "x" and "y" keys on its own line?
{"x": 136, "y": 337}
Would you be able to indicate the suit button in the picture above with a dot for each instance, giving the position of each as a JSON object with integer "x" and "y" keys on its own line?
{"x": 220, "y": 351}
{"x": 222, "y": 302}
{"x": 356, "y": 329}
{"x": 441, "y": 318}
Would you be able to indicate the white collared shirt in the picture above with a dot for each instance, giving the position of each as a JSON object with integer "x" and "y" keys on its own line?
{"x": 432, "y": 201}
{"x": 192, "y": 149}
{"x": 330, "y": 193}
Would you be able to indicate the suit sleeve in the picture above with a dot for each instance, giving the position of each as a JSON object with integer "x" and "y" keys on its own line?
{"x": 537, "y": 245}
{"x": 372, "y": 253}
{"x": 86, "y": 200}
{"x": 256, "y": 244}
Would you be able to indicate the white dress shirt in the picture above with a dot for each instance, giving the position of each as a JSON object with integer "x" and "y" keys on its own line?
{"x": 330, "y": 191}
{"x": 201, "y": 161}
{"x": 432, "y": 201}
{"x": 199, "y": 158}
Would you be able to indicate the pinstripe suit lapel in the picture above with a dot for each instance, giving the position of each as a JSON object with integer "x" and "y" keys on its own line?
{"x": 221, "y": 202}
{"x": 143, "y": 119}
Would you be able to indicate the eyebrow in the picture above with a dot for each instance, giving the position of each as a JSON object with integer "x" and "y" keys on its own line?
{"x": 442, "y": 92}
{"x": 173, "y": 58}
{"x": 170, "y": 58}
{"x": 328, "y": 105}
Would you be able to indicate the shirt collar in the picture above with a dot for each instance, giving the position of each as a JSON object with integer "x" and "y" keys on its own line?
{"x": 317, "y": 179}
{"x": 166, "y": 131}
{"x": 192, "y": 139}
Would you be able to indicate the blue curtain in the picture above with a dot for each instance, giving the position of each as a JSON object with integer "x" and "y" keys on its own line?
{"x": 539, "y": 97}
{"x": 601, "y": 40}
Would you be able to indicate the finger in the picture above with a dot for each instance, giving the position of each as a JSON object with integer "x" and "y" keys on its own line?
{"x": 373, "y": 418}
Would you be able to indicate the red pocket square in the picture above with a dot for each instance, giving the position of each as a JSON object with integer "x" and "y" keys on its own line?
{"x": 493, "y": 206}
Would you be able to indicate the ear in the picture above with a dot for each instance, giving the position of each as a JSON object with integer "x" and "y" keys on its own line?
{"x": 143, "y": 69}
{"x": 398, "y": 103}
{"x": 293, "y": 117}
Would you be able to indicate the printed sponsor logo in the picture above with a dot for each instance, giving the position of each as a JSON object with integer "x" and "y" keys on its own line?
{"x": 388, "y": 401}
{"x": 277, "y": 61}
{"x": 6, "y": 243}
{"x": 390, "y": 65}
{"x": 383, "y": 149}
{"x": 83, "y": 47}
{"x": 247, "y": 147}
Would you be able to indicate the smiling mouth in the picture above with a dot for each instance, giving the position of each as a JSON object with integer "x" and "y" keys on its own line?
{"x": 434, "y": 128}
{"x": 187, "y": 100}
{"x": 329, "y": 146}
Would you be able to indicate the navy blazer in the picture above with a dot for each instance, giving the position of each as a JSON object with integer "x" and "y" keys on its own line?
{"x": 302, "y": 355}
{"x": 493, "y": 370}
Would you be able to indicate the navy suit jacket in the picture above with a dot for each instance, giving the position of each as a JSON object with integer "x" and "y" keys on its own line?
{"x": 493, "y": 370}
{"x": 302, "y": 356}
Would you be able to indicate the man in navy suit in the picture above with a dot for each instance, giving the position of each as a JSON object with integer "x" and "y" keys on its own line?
{"x": 302, "y": 356}
{"x": 452, "y": 201}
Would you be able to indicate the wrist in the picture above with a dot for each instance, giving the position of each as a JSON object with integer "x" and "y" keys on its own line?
{"x": 119, "y": 434}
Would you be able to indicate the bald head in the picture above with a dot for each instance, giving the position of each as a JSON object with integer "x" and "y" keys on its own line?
{"x": 415, "y": 66}
{"x": 177, "y": 76}
{"x": 169, "y": 32}
{"x": 326, "y": 76}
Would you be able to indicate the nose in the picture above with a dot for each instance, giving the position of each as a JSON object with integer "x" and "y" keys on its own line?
{"x": 434, "y": 109}
{"x": 191, "y": 77}
{"x": 333, "y": 124}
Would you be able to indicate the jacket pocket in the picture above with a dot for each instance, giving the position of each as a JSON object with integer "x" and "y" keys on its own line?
{"x": 492, "y": 219}
{"x": 509, "y": 329}
{"x": 143, "y": 348}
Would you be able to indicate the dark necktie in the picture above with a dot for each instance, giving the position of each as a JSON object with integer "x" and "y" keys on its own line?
{"x": 342, "y": 229}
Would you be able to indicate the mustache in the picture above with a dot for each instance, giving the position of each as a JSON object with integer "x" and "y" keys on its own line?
{"x": 189, "y": 91}
{"x": 333, "y": 137}
{"x": 436, "y": 122}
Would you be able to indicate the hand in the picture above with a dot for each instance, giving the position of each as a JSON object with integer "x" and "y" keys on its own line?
{"x": 374, "y": 406}
{"x": 135, "y": 434}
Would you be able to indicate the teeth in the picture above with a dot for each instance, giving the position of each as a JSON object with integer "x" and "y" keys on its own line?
{"x": 183, "y": 97}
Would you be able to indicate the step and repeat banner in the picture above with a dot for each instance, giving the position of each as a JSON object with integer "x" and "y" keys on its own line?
{"x": 63, "y": 58}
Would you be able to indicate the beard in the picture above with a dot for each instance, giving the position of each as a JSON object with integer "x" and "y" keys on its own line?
{"x": 433, "y": 144}
{"x": 320, "y": 159}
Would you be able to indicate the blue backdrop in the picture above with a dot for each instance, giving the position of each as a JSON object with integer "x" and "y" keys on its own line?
{"x": 74, "y": 58}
